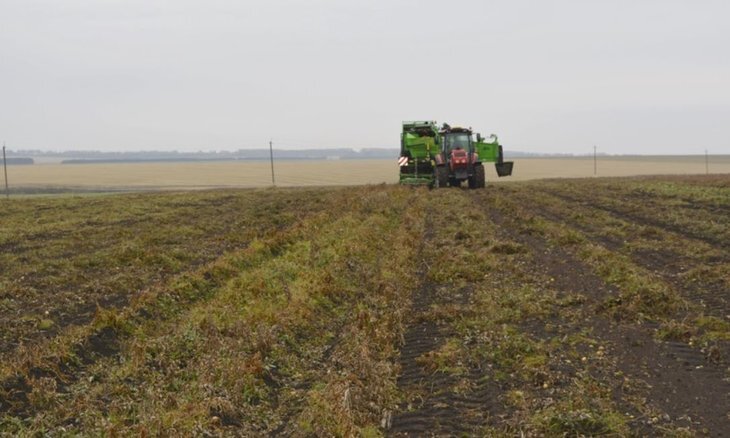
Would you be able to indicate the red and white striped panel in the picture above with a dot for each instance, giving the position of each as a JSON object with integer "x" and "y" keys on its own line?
{"x": 403, "y": 161}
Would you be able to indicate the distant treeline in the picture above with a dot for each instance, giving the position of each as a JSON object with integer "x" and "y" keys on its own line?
{"x": 19, "y": 160}
{"x": 92, "y": 157}
{"x": 318, "y": 154}
{"x": 140, "y": 160}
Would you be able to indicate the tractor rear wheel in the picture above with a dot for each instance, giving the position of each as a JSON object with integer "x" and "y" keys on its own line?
{"x": 442, "y": 176}
{"x": 477, "y": 180}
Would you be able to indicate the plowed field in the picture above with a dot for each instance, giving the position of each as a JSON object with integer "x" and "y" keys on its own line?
{"x": 576, "y": 307}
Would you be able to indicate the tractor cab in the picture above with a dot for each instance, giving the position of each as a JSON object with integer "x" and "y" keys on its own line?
{"x": 456, "y": 138}
{"x": 458, "y": 152}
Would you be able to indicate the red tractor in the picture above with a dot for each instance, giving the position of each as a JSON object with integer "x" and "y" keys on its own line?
{"x": 459, "y": 159}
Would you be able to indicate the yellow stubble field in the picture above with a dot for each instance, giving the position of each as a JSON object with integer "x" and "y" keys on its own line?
{"x": 330, "y": 172}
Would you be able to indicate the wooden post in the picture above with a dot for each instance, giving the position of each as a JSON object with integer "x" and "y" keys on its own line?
{"x": 271, "y": 155}
{"x": 5, "y": 167}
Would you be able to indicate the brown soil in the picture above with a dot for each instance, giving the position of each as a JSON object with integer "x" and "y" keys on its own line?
{"x": 685, "y": 387}
{"x": 561, "y": 338}
{"x": 663, "y": 385}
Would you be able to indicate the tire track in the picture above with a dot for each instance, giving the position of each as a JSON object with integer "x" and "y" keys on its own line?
{"x": 432, "y": 406}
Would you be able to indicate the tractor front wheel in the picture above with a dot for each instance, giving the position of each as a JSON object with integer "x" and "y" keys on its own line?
{"x": 477, "y": 180}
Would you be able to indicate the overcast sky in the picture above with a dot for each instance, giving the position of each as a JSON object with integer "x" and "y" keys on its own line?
{"x": 632, "y": 76}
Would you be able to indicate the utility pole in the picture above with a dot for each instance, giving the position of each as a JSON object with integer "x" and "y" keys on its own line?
{"x": 595, "y": 160}
{"x": 707, "y": 163}
{"x": 5, "y": 167}
{"x": 271, "y": 155}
